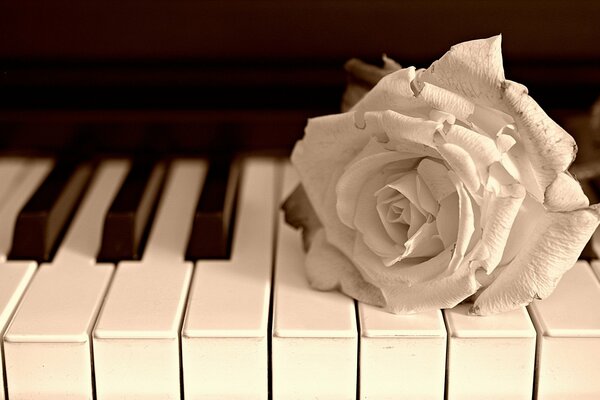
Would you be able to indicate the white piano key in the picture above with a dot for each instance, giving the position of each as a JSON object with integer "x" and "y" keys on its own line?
{"x": 31, "y": 174}
{"x": 224, "y": 333}
{"x": 596, "y": 268}
{"x": 15, "y": 275}
{"x": 315, "y": 344}
{"x": 490, "y": 357}
{"x": 47, "y": 346}
{"x": 136, "y": 338}
{"x": 11, "y": 170}
{"x": 14, "y": 278}
{"x": 568, "y": 326}
{"x": 401, "y": 356}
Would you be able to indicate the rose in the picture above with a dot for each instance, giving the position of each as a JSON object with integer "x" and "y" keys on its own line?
{"x": 442, "y": 185}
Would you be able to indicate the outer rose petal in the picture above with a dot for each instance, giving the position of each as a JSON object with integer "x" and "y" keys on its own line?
{"x": 393, "y": 92}
{"x": 552, "y": 249}
{"x": 327, "y": 269}
{"x": 329, "y": 144}
{"x": 565, "y": 194}
{"x": 442, "y": 292}
{"x": 445, "y": 100}
{"x": 550, "y": 148}
{"x": 399, "y": 127}
{"x": 472, "y": 69}
{"x": 405, "y": 134}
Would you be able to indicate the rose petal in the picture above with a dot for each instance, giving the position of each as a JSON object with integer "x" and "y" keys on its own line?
{"x": 392, "y": 92}
{"x": 400, "y": 127}
{"x": 426, "y": 199}
{"x": 500, "y": 216}
{"x": 565, "y": 194}
{"x": 466, "y": 221}
{"x": 482, "y": 150}
{"x": 435, "y": 176}
{"x": 371, "y": 162}
{"x": 405, "y": 273}
{"x": 489, "y": 120}
{"x": 319, "y": 158}
{"x": 367, "y": 222}
{"x": 442, "y": 116}
{"x": 447, "y": 220}
{"x": 391, "y": 220}
{"x": 405, "y": 133}
{"x": 472, "y": 69}
{"x": 425, "y": 242}
{"x": 300, "y": 214}
{"x": 516, "y": 162}
{"x": 530, "y": 212}
{"x": 498, "y": 177}
{"x": 329, "y": 144}
{"x": 445, "y": 100}
{"x": 549, "y": 148}
{"x": 432, "y": 294}
{"x": 551, "y": 250}
{"x": 462, "y": 164}
{"x": 327, "y": 269}
{"x": 407, "y": 185}
{"x": 504, "y": 142}
{"x": 407, "y": 214}
{"x": 417, "y": 219}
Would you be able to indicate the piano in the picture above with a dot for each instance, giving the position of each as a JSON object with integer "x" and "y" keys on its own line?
{"x": 143, "y": 254}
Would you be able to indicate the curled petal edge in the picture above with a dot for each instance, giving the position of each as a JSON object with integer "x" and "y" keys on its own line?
{"x": 565, "y": 194}
{"x": 553, "y": 249}
{"x": 504, "y": 208}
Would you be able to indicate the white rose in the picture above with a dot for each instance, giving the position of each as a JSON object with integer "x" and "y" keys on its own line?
{"x": 441, "y": 184}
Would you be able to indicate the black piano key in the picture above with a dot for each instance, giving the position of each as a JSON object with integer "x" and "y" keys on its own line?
{"x": 129, "y": 218}
{"x": 211, "y": 230}
{"x": 44, "y": 219}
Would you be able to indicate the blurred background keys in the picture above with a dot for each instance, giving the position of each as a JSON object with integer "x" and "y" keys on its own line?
{"x": 128, "y": 221}
{"x": 210, "y": 237}
{"x": 43, "y": 219}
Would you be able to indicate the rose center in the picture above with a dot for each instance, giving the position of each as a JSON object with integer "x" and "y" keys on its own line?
{"x": 407, "y": 212}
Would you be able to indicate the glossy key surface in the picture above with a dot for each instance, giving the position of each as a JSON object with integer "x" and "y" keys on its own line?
{"x": 210, "y": 236}
{"x": 11, "y": 171}
{"x": 15, "y": 275}
{"x": 225, "y": 329}
{"x": 401, "y": 356}
{"x": 43, "y": 219}
{"x": 568, "y": 327}
{"x": 490, "y": 357}
{"x": 129, "y": 216}
{"x": 315, "y": 340}
{"x": 47, "y": 345}
{"x": 136, "y": 338}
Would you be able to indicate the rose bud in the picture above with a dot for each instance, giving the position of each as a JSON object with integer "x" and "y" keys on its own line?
{"x": 440, "y": 185}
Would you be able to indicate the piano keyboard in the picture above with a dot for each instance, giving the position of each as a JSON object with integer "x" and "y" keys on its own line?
{"x": 176, "y": 319}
